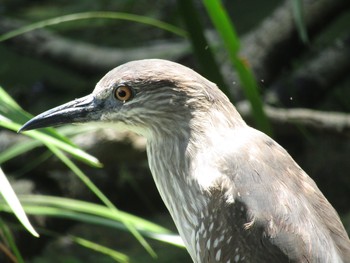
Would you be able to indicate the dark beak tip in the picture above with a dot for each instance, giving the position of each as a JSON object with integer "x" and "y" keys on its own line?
{"x": 34, "y": 123}
{"x": 27, "y": 126}
{"x": 22, "y": 129}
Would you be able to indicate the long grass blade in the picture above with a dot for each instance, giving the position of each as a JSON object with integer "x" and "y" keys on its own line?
{"x": 117, "y": 256}
{"x": 224, "y": 26}
{"x": 18, "y": 149}
{"x": 7, "y": 235}
{"x": 200, "y": 45}
{"x": 101, "y": 196}
{"x": 298, "y": 14}
{"x": 11, "y": 199}
{"x": 12, "y": 116}
{"x": 94, "y": 214}
{"x": 48, "y": 139}
{"x": 93, "y": 15}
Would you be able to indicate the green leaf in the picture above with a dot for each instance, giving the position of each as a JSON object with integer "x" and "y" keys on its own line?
{"x": 73, "y": 150}
{"x": 8, "y": 237}
{"x": 47, "y": 139}
{"x": 225, "y": 28}
{"x": 93, "y": 15}
{"x": 298, "y": 14}
{"x": 18, "y": 149}
{"x": 12, "y": 116}
{"x": 201, "y": 48}
{"x": 11, "y": 199}
{"x": 101, "y": 196}
{"x": 119, "y": 257}
{"x": 95, "y": 214}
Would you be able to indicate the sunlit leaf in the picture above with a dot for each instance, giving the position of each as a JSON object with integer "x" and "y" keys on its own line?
{"x": 92, "y": 15}
{"x": 228, "y": 34}
{"x": 118, "y": 256}
{"x": 94, "y": 214}
{"x": 298, "y": 15}
{"x": 15, "y": 254}
{"x": 12, "y": 117}
{"x": 11, "y": 199}
{"x": 101, "y": 196}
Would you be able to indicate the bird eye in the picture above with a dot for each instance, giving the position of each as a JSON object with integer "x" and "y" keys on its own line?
{"x": 123, "y": 93}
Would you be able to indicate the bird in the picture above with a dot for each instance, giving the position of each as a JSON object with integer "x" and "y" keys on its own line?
{"x": 234, "y": 194}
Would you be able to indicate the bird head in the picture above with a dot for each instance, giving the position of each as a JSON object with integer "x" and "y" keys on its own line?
{"x": 144, "y": 96}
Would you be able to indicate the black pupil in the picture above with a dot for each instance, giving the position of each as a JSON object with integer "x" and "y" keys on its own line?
{"x": 121, "y": 93}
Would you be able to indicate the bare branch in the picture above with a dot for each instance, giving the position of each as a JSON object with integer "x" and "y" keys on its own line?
{"x": 264, "y": 47}
{"x": 314, "y": 78}
{"x": 287, "y": 120}
{"x": 86, "y": 57}
{"x": 275, "y": 41}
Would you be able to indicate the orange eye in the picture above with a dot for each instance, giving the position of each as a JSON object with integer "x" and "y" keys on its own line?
{"x": 123, "y": 93}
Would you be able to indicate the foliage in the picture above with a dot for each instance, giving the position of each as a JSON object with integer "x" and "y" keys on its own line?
{"x": 223, "y": 25}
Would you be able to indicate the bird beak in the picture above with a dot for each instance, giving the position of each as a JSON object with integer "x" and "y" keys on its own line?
{"x": 77, "y": 111}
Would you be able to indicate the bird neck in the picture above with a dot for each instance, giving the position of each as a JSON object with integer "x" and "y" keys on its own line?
{"x": 176, "y": 158}
{"x": 181, "y": 167}
{"x": 170, "y": 164}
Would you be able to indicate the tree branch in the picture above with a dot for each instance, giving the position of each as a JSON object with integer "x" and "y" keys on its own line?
{"x": 313, "y": 80}
{"x": 287, "y": 120}
{"x": 264, "y": 48}
{"x": 82, "y": 56}
{"x": 275, "y": 41}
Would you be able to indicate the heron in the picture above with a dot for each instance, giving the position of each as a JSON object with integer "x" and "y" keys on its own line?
{"x": 234, "y": 194}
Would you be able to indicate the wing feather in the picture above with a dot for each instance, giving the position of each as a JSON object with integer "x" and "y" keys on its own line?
{"x": 284, "y": 203}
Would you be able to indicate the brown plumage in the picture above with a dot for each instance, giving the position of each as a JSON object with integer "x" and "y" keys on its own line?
{"x": 235, "y": 195}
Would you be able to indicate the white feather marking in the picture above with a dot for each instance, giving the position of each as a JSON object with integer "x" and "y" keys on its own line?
{"x": 218, "y": 255}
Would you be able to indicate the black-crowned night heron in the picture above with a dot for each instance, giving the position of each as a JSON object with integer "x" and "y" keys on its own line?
{"x": 234, "y": 194}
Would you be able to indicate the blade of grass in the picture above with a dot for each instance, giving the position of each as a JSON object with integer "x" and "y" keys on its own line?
{"x": 8, "y": 100}
{"x": 6, "y": 251}
{"x": 298, "y": 14}
{"x": 36, "y": 161}
{"x": 11, "y": 110}
{"x": 100, "y": 195}
{"x": 93, "y": 15}
{"x": 200, "y": 45}
{"x": 47, "y": 139}
{"x": 116, "y": 255}
{"x": 11, "y": 199}
{"x": 119, "y": 257}
{"x": 11, "y": 115}
{"x": 94, "y": 214}
{"x": 169, "y": 238}
{"x": 89, "y": 208}
{"x": 16, "y": 257}
{"x": 73, "y": 150}
{"x": 225, "y": 28}
{"x": 18, "y": 149}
